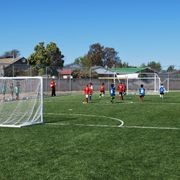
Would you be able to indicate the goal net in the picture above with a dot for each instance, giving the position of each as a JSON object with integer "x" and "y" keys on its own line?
{"x": 21, "y": 101}
{"x": 133, "y": 83}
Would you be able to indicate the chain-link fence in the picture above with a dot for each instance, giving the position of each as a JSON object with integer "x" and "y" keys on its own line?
{"x": 78, "y": 78}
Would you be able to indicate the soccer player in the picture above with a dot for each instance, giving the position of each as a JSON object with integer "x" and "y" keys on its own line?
{"x": 141, "y": 93}
{"x": 161, "y": 91}
{"x": 124, "y": 88}
{"x": 4, "y": 90}
{"x": 11, "y": 90}
{"x": 90, "y": 91}
{"x": 17, "y": 90}
{"x": 53, "y": 87}
{"x": 120, "y": 89}
{"x": 86, "y": 93}
{"x": 112, "y": 93}
{"x": 102, "y": 90}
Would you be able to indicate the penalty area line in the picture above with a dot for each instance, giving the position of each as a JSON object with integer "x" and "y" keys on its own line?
{"x": 121, "y": 125}
{"x": 90, "y": 115}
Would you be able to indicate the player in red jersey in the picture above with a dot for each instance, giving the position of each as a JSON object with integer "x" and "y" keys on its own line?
{"x": 53, "y": 87}
{"x": 86, "y": 93}
{"x": 90, "y": 91}
{"x": 124, "y": 87}
{"x": 120, "y": 89}
{"x": 102, "y": 90}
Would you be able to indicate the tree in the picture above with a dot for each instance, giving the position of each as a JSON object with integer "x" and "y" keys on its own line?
{"x": 45, "y": 58}
{"x": 95, "y": 55}
{"x": 110, "y": 58}
{"x": 171, "y": 68}
{"x": 99, "y": 55}
{"x": 83, "y": 61}
{"x": 11, "y": 54}
{"x": 154, "y": 65}
{"x": 143, "y": 65}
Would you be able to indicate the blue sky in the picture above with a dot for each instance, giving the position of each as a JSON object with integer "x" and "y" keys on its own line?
{"x": 139, "y": 30}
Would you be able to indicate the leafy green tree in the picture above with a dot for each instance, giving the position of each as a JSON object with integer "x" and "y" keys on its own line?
{"x": 95, "y": 55}
{"x": 83, "y": 61}
{"x": 154, "y": 65}
{"x": 120, "y": 64}
{"x": 143, "y": 65}
{"x": 171, "y": 68}
{"x": 99, "y": 55}
{"x": 45, "y": 58}
{"x": 110, "y": 57}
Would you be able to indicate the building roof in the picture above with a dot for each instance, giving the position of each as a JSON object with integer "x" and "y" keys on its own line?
{"x": 65, "y": 72}
{"x": 102, "y": 70}
{"x": 8, "y": 61}
{"x": 131, "y": 70}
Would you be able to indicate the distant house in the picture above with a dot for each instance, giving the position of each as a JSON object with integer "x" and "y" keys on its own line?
{"x": 110, "y": 73}
{"x": 65, "y": 73}
{"x": 102, "y": 72}
{"x": 13, "y": 66}
{"x": 146, "y": 71}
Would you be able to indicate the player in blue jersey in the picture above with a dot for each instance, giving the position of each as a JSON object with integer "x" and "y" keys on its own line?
{"x": 112, "y": 92}
{"x": 161, "y": 91}
{"x": 141, "y": 92}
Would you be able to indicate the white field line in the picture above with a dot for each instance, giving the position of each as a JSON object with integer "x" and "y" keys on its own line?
{"x": 89, "y": 115}
{"x": 104, "y": 125}
{"x": 151, "y": 127}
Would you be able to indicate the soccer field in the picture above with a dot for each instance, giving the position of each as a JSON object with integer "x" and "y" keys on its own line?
{"x": 98, "y": 140}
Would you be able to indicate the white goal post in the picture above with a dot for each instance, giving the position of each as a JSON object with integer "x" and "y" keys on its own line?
{"x": 151, "y": 82}
{"x": 21, "y": 101}
{"x": 133, "y": 82}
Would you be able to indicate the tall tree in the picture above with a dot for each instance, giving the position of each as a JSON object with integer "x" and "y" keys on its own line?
{"x": 110, "y": 57}
{"x": 83, "y": 61}
{"x": 154, "y": 65}
{"x": 95, "y": 54}
{"x": 45, "y": 58}
{"x": 171, "y": 68}
{"x": 143, "y": 65}
{"x": 99, "y": 55}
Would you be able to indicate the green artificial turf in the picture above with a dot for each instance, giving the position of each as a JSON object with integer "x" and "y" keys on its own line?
{"x": 83, "y": 141}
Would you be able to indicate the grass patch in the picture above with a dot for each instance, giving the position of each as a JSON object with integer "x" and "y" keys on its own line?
{"x": 65, "y": 147}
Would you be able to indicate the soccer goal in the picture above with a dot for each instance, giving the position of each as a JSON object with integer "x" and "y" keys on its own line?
{"x": 133, "y": 82}
{"x": 21, "y": 101}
